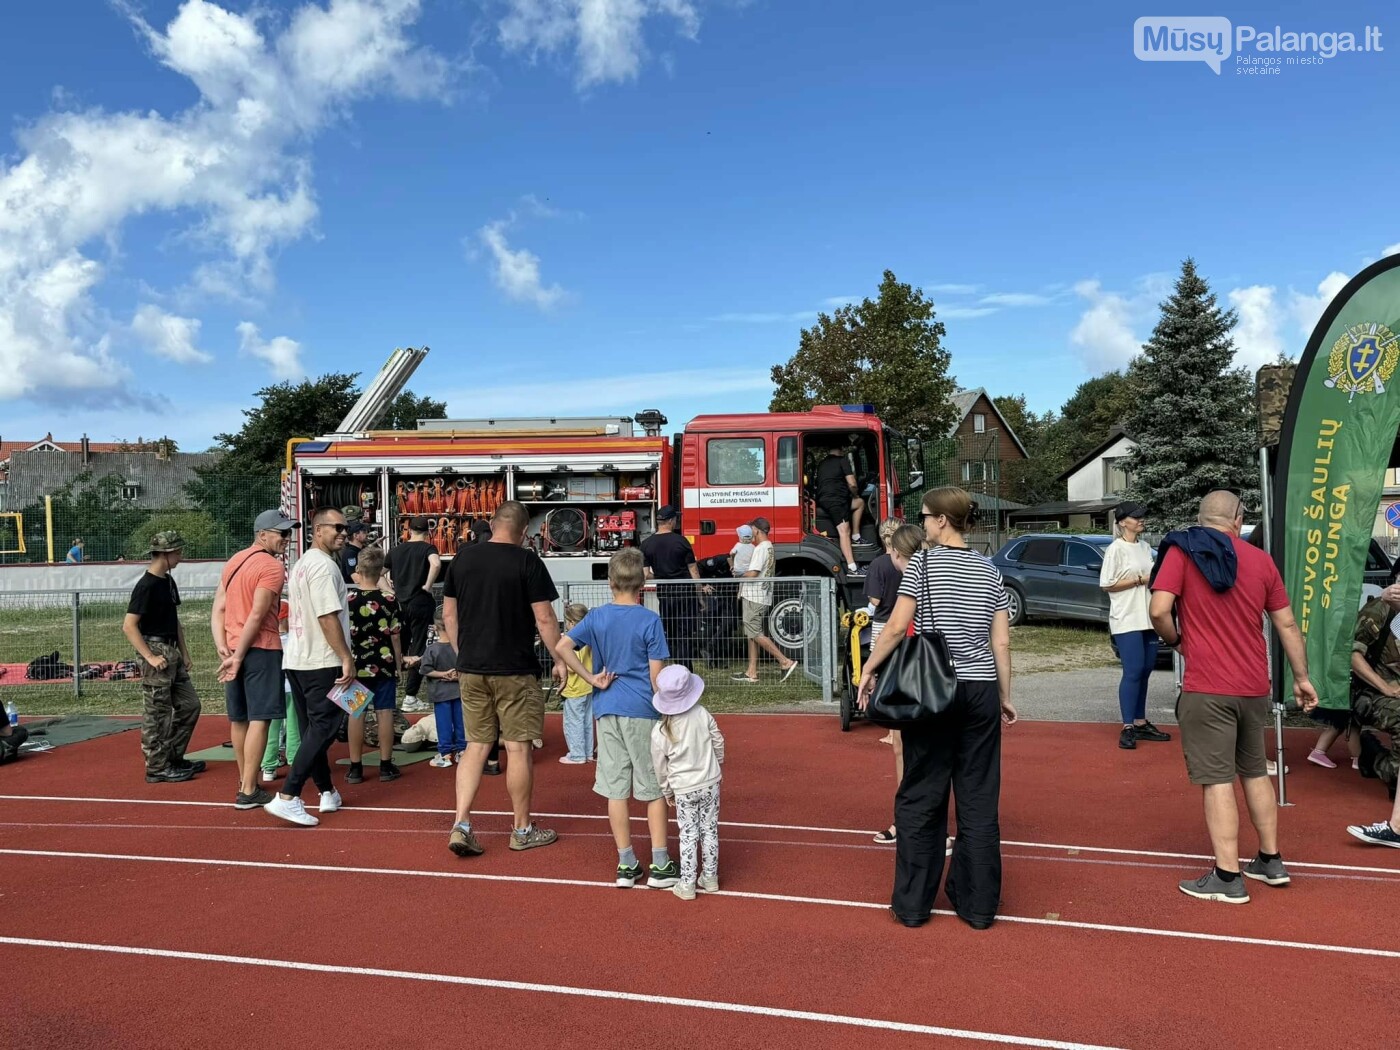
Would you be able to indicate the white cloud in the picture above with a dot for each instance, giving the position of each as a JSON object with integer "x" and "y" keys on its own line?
{"x": 168, "y": 336}
{"x": 955, "y": 289}
{"x": 282, "y": 355}
{"x": 954, "y": 313}
{"x": 1104, "y": 334}
{"x": 1256, "y": 335}
{"x": 516, "y": 271}
{"x": 775, "y": 317}
{"x": 605, "y": 36}
{"x": 1391, "y": 249}
{"x": 237, "y": 160}
{"x": 1307, "y": 309}
{"x": 1015, "y": 299}
{"x": 622, "y": 393}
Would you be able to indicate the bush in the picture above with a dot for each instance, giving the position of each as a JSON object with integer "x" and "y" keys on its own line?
{"x": 202, "y": 534}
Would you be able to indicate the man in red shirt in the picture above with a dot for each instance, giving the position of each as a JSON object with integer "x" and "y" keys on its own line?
{"x": 1220, "y": 589}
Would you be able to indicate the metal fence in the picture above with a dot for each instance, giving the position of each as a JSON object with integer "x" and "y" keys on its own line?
{"x": 84, "y": 629}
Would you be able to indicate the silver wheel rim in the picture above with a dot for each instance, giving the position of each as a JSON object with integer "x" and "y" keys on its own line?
{"x": 792, "y": 623}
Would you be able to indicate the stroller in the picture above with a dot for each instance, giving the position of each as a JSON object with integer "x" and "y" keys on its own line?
{"x": 855, "y": 647}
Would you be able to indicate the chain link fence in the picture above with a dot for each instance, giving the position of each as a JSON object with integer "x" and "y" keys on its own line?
{"x": 68, "y": 631}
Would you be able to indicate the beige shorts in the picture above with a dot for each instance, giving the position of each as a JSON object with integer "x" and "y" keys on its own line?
{"x": 755, "y": 618}
{"x": 624, "y": 759}
{"x": 510, "y": 707}
{"x": 1222, "y": 737}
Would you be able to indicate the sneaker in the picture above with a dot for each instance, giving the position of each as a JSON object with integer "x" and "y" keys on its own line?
{"x": 290, "y": 810}
{"x": 259, "y": 797}
{"x": 1147, "y": 731}
{"x": 1356, "y": 764}
{"x": 537, "y": 743}
{"x": 569, "y": 760}
{"x": 1127, "y": 739}
{"x": 1271, "y": 767}
{"x": 1269, "y": 872}
{"x": 389, "y": 771}
{"x": 1380, "y": 834}
{"x": 707, "y": 884}
{"x": 412, "y": 704}
{"x": 441, "y": 762}
{"x": 684, "y": 890}
{"x": 628, "y": 875}
{"x": 330, "y": 801}
{"x": 491, "y": 769}
{"x": 356, "y": 774}
{"x": 1211, "y": 887}
{"x": 533, "y": 839}
{"x": 197, "y": 766}
{"x": 269, "y": 776}
{"x": 170, "y": 776}
{"x": 663, "y": 878}
{"x": 464, "y": 843}
{"x": 1319, "y": 758}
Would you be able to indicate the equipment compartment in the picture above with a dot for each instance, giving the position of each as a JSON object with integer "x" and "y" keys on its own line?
{"x": 450, "y": 502}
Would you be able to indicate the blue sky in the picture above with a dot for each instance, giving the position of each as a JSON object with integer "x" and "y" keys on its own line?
{"x": 593, "y": 206}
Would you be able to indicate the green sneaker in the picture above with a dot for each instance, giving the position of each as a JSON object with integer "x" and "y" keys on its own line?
{"x": 628, "y": 875}
{"x": 664, "y": 877}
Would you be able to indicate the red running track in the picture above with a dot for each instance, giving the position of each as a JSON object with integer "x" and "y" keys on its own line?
{"x": 367, "y": 928}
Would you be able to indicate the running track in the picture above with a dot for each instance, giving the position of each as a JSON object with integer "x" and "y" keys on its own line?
{"x": 135, "y": 915}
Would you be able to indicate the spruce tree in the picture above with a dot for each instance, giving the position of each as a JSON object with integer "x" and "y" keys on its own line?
{"x": 1194, "y": 416}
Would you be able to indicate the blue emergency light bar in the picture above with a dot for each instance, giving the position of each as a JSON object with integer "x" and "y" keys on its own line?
{"x": 866, "y": 410}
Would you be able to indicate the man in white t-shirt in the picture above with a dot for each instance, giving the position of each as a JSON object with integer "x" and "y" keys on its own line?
{"x": 755, "y": 599}
{"x": 317, "y": 658}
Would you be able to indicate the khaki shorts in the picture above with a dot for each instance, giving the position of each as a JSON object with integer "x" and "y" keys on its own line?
{"x": 755, "y": 618}
{"x": 1223, "y": 736}
{"x": 624, "y": 759}
{"x": 511, "y": 706}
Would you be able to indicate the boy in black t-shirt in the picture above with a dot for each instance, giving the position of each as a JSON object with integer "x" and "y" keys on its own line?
{"x": 170, "y": 705}
{"x": 413, "y": 568}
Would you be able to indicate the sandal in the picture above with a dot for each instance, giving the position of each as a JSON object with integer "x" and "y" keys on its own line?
{"x": 886, "y": 837}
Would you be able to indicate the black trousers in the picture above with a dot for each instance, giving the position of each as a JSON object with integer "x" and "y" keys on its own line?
{"x": 680, "y": 619}
{"x": 962, "y": 753}
{"x": 319, "y": 720}
{"x": 417, "y": 618}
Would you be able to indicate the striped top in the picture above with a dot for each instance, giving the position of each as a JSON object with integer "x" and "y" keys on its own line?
{"x": 958, "y": 591}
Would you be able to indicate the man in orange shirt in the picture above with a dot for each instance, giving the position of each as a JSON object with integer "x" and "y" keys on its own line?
{"x": 244, "y": 622}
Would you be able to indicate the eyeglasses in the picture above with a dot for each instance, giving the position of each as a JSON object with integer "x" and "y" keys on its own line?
{"x": 339, "y": 526}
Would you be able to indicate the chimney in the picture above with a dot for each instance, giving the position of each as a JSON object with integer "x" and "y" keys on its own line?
{"x": 86, "y": 450}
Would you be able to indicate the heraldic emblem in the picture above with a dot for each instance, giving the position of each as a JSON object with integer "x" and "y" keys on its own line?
{"x": 1363, "y": 359}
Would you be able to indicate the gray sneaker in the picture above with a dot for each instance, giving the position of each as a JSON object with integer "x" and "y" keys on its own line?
{"x": 1270, "y": 872}
{"x": 1211, "y": 887}
{"x": 532, "y": 839}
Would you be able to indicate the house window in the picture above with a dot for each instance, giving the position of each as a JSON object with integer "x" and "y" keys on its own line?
{"x": 1115, "y": 476}
{"x": 131, "y": 491}
{"x": 979, "y": 423}
{"x": 980, "y": 470}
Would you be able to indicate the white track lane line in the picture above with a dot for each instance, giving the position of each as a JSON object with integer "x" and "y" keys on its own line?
{"x": 562, "y": 989}
{"x": 864, "y": 832}
{"x": 1217, "y": 938}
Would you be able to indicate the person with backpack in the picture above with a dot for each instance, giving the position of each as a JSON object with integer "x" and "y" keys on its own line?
{"x": 170, "y": 705}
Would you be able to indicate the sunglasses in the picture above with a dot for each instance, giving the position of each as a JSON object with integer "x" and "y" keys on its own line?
{"x": 338, "y": 526}
{"x": 286, "y": 534}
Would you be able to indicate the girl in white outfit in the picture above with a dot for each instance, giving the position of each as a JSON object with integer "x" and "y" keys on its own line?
{"x": 687, "y": 750}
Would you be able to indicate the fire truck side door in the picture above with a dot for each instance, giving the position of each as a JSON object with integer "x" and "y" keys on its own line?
{"x": 735, "y": 485}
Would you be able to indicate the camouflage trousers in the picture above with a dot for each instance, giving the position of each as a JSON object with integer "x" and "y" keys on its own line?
{"x": 170, "y": 708}
{"x": 1371, "y": 710}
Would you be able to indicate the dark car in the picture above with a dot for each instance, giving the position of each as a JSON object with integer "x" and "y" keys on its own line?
{"x": 1055, "y": 575}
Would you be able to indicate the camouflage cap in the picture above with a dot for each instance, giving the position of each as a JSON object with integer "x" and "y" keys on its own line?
{"x": 352, "y": 512}
{"x": 165, "y": 542}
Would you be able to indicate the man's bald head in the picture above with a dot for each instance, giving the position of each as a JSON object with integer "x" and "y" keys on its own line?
{"x": 1222, "y": 510}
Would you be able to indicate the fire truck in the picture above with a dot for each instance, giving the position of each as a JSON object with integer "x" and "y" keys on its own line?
{"x": 593, "y": 485}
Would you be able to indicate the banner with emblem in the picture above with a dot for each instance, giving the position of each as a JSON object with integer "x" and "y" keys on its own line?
{"x": 1334, "y": 449}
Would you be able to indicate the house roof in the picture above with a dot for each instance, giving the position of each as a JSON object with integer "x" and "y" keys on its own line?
{"x": 1063, "y": 510}
{"x": 963, "y": 400}
{"x": 1113, "y": 437}
{"x": 9, "y": 447}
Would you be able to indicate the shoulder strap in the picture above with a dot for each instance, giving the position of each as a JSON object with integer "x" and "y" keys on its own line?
{"x": 244, "y": 562}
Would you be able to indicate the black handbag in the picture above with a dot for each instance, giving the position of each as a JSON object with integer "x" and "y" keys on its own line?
{"x": 918, "y": 682}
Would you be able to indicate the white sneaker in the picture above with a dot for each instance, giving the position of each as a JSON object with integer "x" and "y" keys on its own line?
{"x": 269, "y": 775}
{"x": 1272, "y": 767}
{"x": 330, "y": 801}
{"x": 441, "y": 762}
{"x": 707, "y": 884}
{"x": 412, "y": 703}
{"x": 292, "y": 811}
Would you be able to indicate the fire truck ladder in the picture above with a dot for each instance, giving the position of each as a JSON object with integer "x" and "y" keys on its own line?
{"x": 382, "y": 390}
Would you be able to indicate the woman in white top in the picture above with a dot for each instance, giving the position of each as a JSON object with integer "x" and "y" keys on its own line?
{"x": 1126, "y": 572}
{"x": 960, "y": 594}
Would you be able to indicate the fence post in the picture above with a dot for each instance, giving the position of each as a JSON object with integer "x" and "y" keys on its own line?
{"x": 77, "y": 644}
{"x": 828, "y": 629}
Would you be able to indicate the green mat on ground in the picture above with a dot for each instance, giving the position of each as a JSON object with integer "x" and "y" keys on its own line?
{"x": 74, "y": 729}
{"x": 401, "y": 757}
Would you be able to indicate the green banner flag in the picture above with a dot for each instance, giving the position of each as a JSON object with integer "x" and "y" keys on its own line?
{"x": 1334, "y": 448}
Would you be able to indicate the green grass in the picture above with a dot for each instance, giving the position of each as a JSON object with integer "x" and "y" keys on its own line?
{"x": 1055, "y": 646}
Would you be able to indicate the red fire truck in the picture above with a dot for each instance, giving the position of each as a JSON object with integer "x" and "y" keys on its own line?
{"x": 594, "y": 485}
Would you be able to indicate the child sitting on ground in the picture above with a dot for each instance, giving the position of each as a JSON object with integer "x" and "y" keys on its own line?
{"x": 438, "y": 666}
{"x": 629, "y": 648}
{"x": 578, "y": 698}
{"x": 374, "y": 641}
{"x": 687, "y": 750}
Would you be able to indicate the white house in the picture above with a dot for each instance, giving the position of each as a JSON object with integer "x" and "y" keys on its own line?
{"x": 1096, "y": 484}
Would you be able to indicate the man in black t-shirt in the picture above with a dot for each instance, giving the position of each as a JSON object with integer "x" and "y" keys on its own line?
{"x": 170, "y": 705}
{"x": 495, "y": 599}
{"x": 669, "y": 556}
{"x": 836, "y": 494}
{"x": 413, "y": 568}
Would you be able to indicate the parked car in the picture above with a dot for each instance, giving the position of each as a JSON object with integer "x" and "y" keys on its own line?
{"x": 1056, "y": 575}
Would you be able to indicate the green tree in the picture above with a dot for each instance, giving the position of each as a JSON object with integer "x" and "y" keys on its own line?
{"x": 1194, "y": 417}
{"x": 407, "y": 409}
{"x": 200, "y": 531}
{"x": 1034, "y": 479}
{"x": 885, "y": 351}
{"x": 1093, "y": 411}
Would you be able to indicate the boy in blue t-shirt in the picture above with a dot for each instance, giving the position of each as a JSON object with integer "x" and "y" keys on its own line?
{"x": 629, "y": 650}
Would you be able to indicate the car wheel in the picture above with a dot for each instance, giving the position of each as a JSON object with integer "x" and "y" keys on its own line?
{"x": 1016, "y": 605}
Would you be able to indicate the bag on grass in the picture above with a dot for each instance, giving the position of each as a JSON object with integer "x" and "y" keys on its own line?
{"x": 47, "y": 668}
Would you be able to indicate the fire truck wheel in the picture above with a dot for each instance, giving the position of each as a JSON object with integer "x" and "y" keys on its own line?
{"x": 793, "y": 620}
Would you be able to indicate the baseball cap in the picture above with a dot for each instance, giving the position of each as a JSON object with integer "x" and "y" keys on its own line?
{"x": 1129, "y": 509}
{"x": 666, "y": 513}
{"x": 418, "y": 523}
{"x": 761, "y": 524}
{"x": 744, "y": 532}
{"x": 352, "y": 527}
{"x": 274, "y": 520}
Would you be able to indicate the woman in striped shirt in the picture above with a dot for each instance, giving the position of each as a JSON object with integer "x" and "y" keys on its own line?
{"x": 959, "y": 593}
